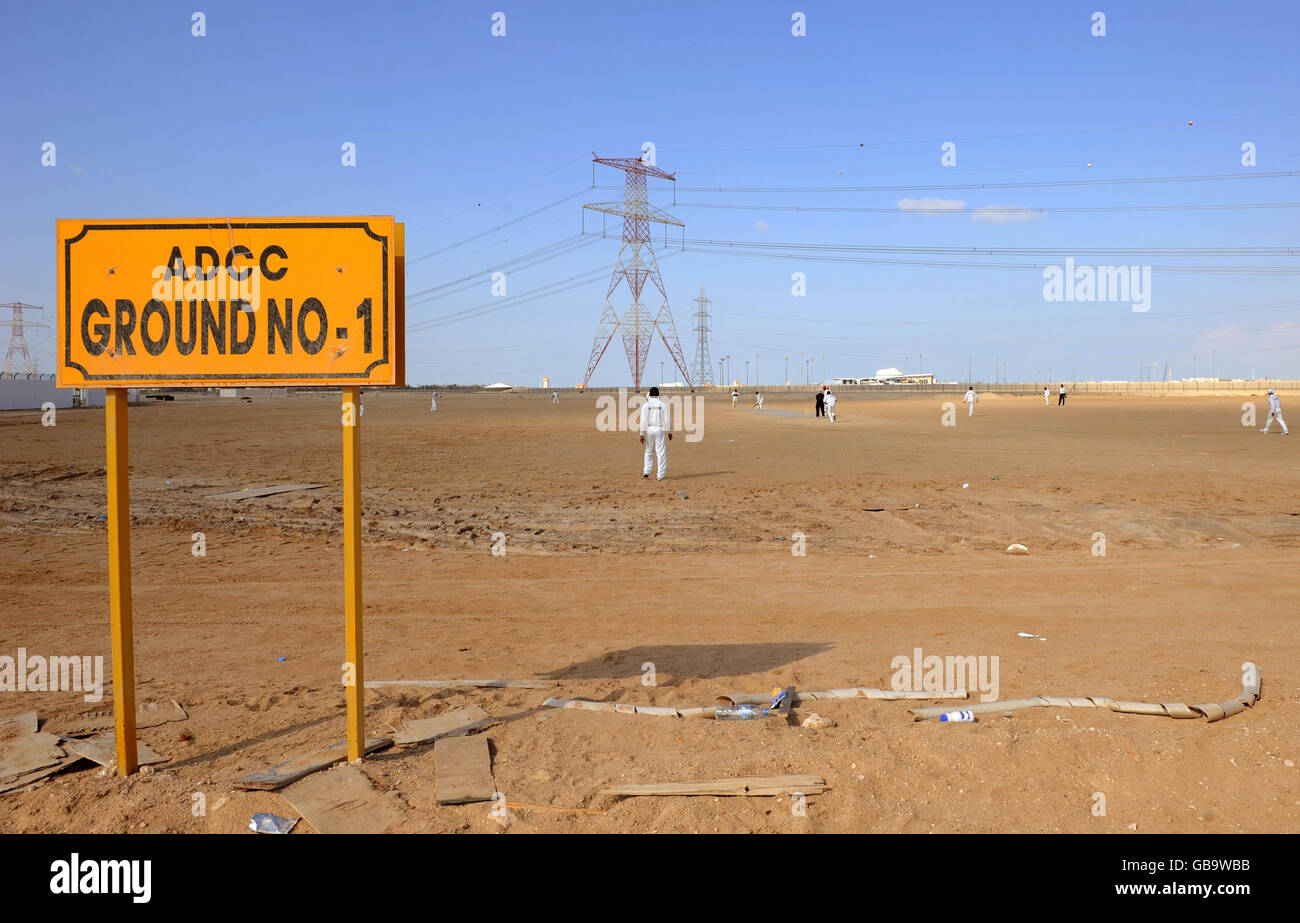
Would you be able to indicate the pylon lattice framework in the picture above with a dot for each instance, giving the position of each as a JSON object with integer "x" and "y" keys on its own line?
{"x": 19, "y": 361}
{"x": 636, "y": 263}
{"x": 703, "y": 368}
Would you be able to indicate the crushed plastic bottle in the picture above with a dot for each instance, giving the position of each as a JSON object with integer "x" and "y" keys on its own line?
{"x": 963, "y": 715}
{"x": 741, "y": 712}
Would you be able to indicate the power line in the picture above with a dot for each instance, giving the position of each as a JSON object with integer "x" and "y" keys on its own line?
{"x": 1027, "y": 184}
{"x": 501, "y": 304}
{"x": 966, "y": 169}
{"x": 1000, "y": 251}
{"x": 528, "y": 182}
{"x": 528, "y": 260}
{"x": 1055, "y": 319}
{"x": 531, "y": 214}
{"x": 986, "y": 209}
{"x": 968, "y": 264}
{"x": 1026, "y": 134}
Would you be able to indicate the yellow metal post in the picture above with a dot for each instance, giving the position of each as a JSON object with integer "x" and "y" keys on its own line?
{"x": 119, "y": 579}
{"x": 354, "y": 652}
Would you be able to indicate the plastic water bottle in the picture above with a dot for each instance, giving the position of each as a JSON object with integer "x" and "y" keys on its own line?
{"x": 741, "y": 712}
{"x": 963, "y": 715}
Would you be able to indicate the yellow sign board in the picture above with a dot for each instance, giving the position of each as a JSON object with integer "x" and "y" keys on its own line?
{"x": 203, "y": 302}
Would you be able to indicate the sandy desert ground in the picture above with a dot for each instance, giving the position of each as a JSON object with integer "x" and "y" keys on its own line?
{"x": 604, "y": 572}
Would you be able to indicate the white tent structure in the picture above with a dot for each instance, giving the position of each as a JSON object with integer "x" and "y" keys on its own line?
{"x": 499, "y": 386}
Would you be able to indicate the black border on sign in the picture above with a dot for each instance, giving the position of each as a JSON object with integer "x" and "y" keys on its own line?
{"x": 218, "y": 225}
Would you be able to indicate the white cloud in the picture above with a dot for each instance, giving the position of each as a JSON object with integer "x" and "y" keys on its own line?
{"x": 1002, "y": 214}
{"x": 930, "y": 205}
{"x": 761, "y": 225}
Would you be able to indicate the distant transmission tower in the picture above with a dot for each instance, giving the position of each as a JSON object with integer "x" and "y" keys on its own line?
{"x": 636, "y": 263}
{"x": 19, "y": 361}
{"x": 703, "y": 368}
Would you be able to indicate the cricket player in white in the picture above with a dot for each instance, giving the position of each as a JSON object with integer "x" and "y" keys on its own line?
{"x": 433, "y": 404}
{"x": 555, "y": 397}
{"x": 1274, "y": 412}
{"x": 758, "y": 400}
{"x": 656, "y": 430}
{"x": 829, "y": 403}
{"x": 735, "y": 396}
{"x": 970, "y": 399}
{"x": 1047, "y": 399}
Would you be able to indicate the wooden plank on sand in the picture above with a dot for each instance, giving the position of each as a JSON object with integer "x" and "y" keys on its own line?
{"x": 261, "y": 491}
{"x": 449, "y": 683}
{"x": 13, "y": 785}
{"x": 463, "y": 769}
{"x": 747, "y": 785}
{"x": 28, "y": 752}
{"x": 103, "y": 750}
{"x": 19, "y": 724}
{"x": 292, "y": 770}
{"x": 454, "y": 723}
{"x": 344, "y": 801}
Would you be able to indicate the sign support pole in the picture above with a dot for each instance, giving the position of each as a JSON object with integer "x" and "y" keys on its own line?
{"x": 354, "y": 648}
{"x": 119, "y": 578}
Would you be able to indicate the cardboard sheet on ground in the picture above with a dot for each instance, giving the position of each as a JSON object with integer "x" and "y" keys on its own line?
{"x": 343, "y": 801}
{"x": 746, "y": 785}
{"x": 252, "y": 492}
{"x": 14, "y": 784}
{"x": 292, "y": 770}
{"x": 103, "y": 750}
{"x": 463, "y": 767}
{"x": 15, "y": 725}
{"x": 454, "y": 723}
{"x": 29, "y": 752}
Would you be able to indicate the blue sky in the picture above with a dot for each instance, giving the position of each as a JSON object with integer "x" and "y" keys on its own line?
{"x": 459, "y": 132}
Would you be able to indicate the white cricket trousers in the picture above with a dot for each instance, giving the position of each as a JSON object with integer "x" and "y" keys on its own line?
{"x": 1271, "y": 417}
{"x": 656, "y": 441}
{"x": 971, "y": 408}
{"x": 433, "y": 404}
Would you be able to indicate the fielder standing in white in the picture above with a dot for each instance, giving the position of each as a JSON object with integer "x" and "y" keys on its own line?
{"x": 735, "y": 396}
{"x": 433, "y": 403}
{"x": 1274, "y": 412}
{"x": 656, "y": 431}
{"x": 829, "y": 403}
{"x": 1047, "y": 398}
{"x": 970, "y": 399}
{"x": 555, "y": 397}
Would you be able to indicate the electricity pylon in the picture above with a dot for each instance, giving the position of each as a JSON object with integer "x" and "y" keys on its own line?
{"x": 636, "y": 263}
{"x": 18, "y": 358}
{"x": 703, "y": 368}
